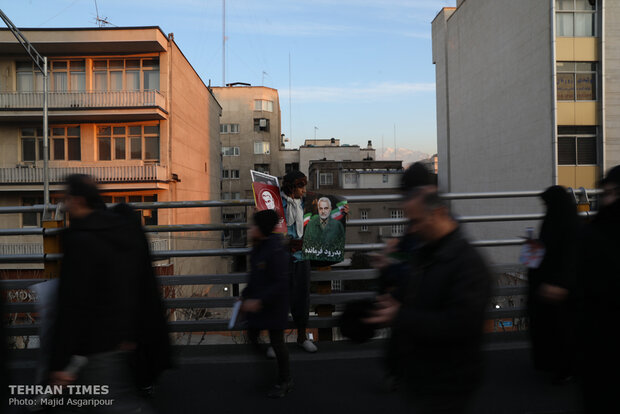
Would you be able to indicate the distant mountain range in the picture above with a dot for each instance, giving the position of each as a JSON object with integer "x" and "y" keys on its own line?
{"x": 408, "y": 156}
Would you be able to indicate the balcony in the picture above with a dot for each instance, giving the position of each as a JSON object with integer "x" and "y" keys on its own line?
{"x": 144, "y": 104}
{"x": 111, "y": 174}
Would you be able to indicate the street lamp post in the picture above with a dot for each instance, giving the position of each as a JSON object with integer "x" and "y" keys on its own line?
{"x": 41, "y": 64}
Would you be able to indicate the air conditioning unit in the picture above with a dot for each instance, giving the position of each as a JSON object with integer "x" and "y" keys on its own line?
{"x": 262, "y": 122}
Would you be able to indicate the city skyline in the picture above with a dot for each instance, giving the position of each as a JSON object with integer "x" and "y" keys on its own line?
{"x": 360, "y": 70}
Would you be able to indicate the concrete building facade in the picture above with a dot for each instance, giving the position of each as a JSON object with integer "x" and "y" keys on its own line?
{"x": 126, "y": 107}
{"x": 526, "y": 98}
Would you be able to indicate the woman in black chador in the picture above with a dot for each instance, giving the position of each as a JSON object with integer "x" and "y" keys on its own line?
{"x": 551, "y": 284}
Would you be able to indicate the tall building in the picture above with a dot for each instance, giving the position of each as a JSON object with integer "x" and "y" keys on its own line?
{"x": 526, "y": 98}
{"x": 126, "y": 107}
{"x": 526, "y": 90}
{"x": 250, "y": 140}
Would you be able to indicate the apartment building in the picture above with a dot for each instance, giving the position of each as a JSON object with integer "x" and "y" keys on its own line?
{"x": 250, "y": 140}
{"x": 125, "y": 106}
{"x": 527, "y": 98}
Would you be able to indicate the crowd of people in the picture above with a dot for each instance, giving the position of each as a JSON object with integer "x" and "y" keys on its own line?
{"x": 433, "y": 294}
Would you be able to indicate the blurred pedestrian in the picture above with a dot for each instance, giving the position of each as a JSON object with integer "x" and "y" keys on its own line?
{"x": 4, "y": 372}
{"x": 109, "y": 306}
{"x": 598, "y": 281}
{"x": 265, "y": 299}
{"x": 550, "y": 286}
{"x": 394, "y": 263}
{"x": 438, "y": 318}
{"x": 293, "y": 199}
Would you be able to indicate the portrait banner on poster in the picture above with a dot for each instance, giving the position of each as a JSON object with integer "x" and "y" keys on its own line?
{"x": 267, "y": 197}
{"x": 325, "y": 229}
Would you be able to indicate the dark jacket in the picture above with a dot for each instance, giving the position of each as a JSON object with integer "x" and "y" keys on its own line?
{"x": 269, "y": 282}
{"x": 108, "y": 293}
{"x": 439, "y": 325}
{"x": 598, "y": 284}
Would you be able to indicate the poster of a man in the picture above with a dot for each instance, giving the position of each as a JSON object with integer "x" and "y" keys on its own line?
{"x": 268, "y": 200}
{"x": 324, "y": 235}
{"x": 267, "y": 197}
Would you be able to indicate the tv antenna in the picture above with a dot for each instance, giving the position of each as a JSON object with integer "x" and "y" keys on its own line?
{"x": 101, "y": 21}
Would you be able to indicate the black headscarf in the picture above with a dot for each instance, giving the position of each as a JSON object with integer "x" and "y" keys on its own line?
{"x": 561, "y": 216}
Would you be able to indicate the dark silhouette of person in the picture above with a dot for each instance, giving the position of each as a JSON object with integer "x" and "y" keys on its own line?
{"x": 265, "y": 299}
{"x": 4, "y": 372}
{"x": 394, "y": 263}
{"x": 598, "y": 284}
{"x": 109, "y": 305}
{"x": 550, "y": 285}
{"x": 439, "y": 314}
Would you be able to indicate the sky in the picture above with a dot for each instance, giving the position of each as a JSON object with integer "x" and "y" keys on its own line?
{"x": 359, "y": 69}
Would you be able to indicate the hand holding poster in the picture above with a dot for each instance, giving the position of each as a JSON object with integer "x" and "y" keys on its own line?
{"x": 267, "y": 197}
{"x": 324, "y": 232}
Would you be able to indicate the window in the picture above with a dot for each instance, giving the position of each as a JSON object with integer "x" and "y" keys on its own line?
{"x": 263, "y": 105}
{"x": 261, "y": 147}
{"x": 350, "y": 178}
{"x": 577, "y": 146}
{"x": 576, "y": 81}
{"x": 229, "y": 128}
{"x": 326, "y": 179}
{"x": 121, "y": 142}
{"x": 397, "y": 229}
{"x": 264, "y": 168}
{"x": 363, "y": 216}
{"x": 231, "y": 196}
{"x": 65, "y": 143}
{"x": 31, "y": 219}
{"x": 230, "y": 151}
{"x": 293, "y": 166}
{"x": 385, "y": 178}
{"x": 126, "y": 74}
{"x": 68, "y": 75}
{"x": 149, "y": 216}
{"x": 575, "y": 18}
{"x": 64, "y": 76}
{"x": 29, "y": 79}
{"x": 261, "y": 124}
{"x": 32, "y": 144}
{"x": 230, "y": 174}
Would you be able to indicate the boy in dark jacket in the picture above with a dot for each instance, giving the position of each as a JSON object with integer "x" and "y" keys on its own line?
{"x": 265, "y": 299}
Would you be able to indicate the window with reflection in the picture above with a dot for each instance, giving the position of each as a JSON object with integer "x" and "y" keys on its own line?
{"x": 576, "y": 18}
{"x": 576, "y": 81}
{"x": 122, "y": 142}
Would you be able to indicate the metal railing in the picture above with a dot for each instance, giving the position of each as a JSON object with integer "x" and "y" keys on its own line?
{"x": 120, "y": 173}
{"x": 337, "y": 298}
{"x": 10, "y": 249}
{"x": 82, "y": 100}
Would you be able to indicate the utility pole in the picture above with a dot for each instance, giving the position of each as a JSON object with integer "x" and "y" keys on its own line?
{"x": 223, "y": 43}
{"x": 41, "y": 64}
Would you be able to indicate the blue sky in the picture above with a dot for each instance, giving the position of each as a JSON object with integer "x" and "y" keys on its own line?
{"x": 358, "y": 67}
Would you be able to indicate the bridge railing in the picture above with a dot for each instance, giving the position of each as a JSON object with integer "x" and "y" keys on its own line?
{"x": 505, "y": 315}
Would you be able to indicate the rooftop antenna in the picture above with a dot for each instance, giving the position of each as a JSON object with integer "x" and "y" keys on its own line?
{"x": 394, "y": 141}
{"x": 290, "y": 106}
{"x": 223, "y": 42}
{"x": 101, "y": 21}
